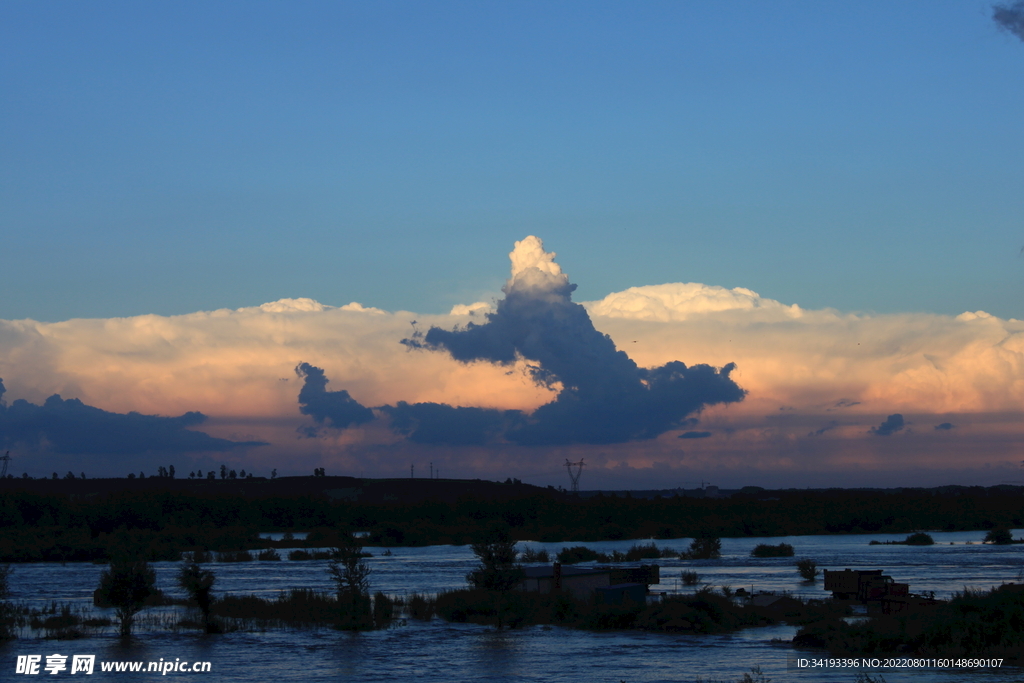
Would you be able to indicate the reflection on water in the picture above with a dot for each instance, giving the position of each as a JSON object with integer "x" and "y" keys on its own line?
{"x": 441, "y": 652}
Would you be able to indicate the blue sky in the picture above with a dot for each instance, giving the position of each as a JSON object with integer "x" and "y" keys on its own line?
{"x": 862, "y": 160}
{"x": 174, "y": 157}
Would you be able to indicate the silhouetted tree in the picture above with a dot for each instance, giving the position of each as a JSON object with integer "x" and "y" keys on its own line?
{"x": 705, "y": 547}
{"x": 351, "y": 576}
{"x": 273, "y": 473}
{"x": 126, "y": 585}
{"x": 498, "y": 571}
{"x": 223, "y": 471}
{"x": 999, "y": 536}
{"x": 198, "y": 583}
{"x": 211, "y": 475}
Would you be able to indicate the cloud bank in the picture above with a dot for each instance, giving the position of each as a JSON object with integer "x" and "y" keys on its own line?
{"x": 71, "y": 427}
{"x": 468, "y": 391}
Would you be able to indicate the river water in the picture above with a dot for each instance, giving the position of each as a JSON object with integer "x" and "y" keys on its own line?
{"x": 441, "y": 652}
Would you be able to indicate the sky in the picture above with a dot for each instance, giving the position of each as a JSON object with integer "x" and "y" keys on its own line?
{"x": 788, "y": 240}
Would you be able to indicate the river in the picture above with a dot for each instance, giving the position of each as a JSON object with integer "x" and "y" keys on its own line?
{"x": 439, "y": 652}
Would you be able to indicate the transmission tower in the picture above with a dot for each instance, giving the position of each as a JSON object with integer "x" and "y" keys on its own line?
{"x": 6, "y": 459}
{"x": 574, "y": 477}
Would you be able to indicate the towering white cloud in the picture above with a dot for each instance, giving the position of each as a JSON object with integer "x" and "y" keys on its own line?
{"x": 818, "y": 381}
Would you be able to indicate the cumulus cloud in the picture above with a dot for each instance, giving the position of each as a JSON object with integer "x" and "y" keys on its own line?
{"x": 603, "y": 396}
{"x": 68, "y": 426}
{"x": 892, "y": 424}
{"x": 238, "y": 367}
{"x": 331, "y": 408}
{"x": 681, "y": 301}
{"x": 1010, "y": 17}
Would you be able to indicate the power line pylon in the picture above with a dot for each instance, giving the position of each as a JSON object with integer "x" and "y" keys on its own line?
{"x": 574, "y": 477}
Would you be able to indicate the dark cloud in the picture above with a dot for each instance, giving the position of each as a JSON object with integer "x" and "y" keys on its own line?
{"x": 694, "y": 435}
{"x": 892, "y": 424}
{"x": 439, "y": 423}
{"x": 818, "y": 432}
{"x": 1010, "y": 17}
{"x": 605, "y": 397}
{"x": 333, "y": 408}
{"x": 71, "y": 427}
{"x": 845, "y": 403}
{"x": 946, "y": 425}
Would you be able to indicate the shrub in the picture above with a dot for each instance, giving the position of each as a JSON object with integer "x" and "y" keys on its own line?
{"x": 765, "y": 550}
{"x": 578, "y": 553}
{"x": 383, "y": 609}
{"x": 704, "y": 548}
{"x": 643, "y": 552}
{"x": 421, "y": 607}
{"x": 197, "y": 556}
{"x": 269, "y": 554}
{"x": 530, "y": 555}
{"x": 299, "y": 555}
{"x": 999, "y": 536}
{"x": 808, "y": 569}
{"x": 920, "y": 538}
{"x": 234, "y": 556}
{"x": 690, "y": 578}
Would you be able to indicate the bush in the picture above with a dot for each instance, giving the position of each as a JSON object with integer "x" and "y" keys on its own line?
{"x": 999, "y": 536}
{"x": 234, "y": 556}
{"x": 920, "y": 538}
{"x": 383, "y": 609}
{"x": 421, "y": 607}
{"x": 197, "y": 556}
{"x": 643, "y": 552}
{"x": 704, "y": 548}
{"x": 269, "y": 555}
{"x": 530, "y": 555}
{"x": 690, "y": 578}
{"x": 808, "y": 569}
{"x": 765, "y": 550}
{"x": 578, "y": 553}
